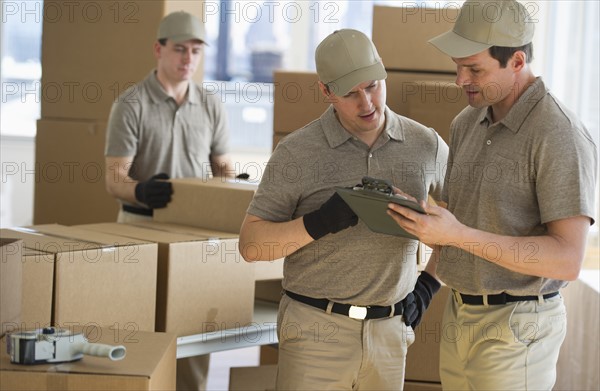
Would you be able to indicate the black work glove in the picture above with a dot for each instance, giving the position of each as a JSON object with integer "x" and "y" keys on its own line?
{"x": 333, "y": 216}
{"x": 425, "y": 288}
{"x": 153, "y": 192}
{"x": 243, "y": 176}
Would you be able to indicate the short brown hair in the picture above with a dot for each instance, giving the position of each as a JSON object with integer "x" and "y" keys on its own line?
{"x": 503, "y": 53}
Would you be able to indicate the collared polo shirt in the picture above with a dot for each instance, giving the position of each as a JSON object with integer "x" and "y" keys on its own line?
{"x": 536, "y": 165}
{"x": 147, "y": 124}
{"x": 355, "y": 265}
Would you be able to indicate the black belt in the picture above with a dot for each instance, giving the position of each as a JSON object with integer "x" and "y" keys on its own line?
{"x": 352, "y": 311}
{"x": 501, "y": 298}
{"x": 138, "y": 211}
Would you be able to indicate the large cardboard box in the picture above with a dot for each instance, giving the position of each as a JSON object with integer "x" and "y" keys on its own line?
{"x": 99, "y": 279}
{"x": 69, "y": 174}
{"x": 11, "y": 281}
{"x": 149, "y": 364}
{"x": 423, "y": 357}
{"x": 297, "y": 100}
{"x": 261, "y": 378}
{"x": 217, "y": 203}
{"x": 203, "y": 283}
{"x": 94, "y": 50}
{"x": 401, "y": 34}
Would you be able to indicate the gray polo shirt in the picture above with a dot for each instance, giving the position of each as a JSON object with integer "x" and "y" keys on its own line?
{"x": 355, "y": 265}
{"x": 146, "y": 123}
{"x": 536, "y": 165}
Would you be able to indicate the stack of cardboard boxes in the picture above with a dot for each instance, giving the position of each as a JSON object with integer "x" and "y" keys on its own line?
{"x": 134, "y": 279}
{"x": 91, "y": 52}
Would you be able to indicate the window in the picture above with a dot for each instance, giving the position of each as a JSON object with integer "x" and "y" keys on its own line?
{"x": 20, "y": 69}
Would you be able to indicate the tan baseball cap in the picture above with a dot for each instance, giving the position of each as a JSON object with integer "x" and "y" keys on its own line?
{"x": 181, "y": 26}
{"x": 482, "y": 24}
{"x": 346, "y": 58}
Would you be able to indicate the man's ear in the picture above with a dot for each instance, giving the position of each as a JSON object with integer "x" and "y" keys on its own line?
{"x": 518, "y": 60}
{"x": 330, "y": 97}
{"x": 157, "y": 49}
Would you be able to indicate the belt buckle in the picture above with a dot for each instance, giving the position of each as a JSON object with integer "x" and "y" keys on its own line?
{"x": 357, "y": 312}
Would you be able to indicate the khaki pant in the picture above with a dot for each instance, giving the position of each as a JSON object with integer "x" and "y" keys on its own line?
{"x": 328, "y": 351}
{"x": 192, "y": 372}
{"x": 501, "y": 347}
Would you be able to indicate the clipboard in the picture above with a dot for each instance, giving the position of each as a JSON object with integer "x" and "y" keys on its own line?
{"x": 371, "y": 207}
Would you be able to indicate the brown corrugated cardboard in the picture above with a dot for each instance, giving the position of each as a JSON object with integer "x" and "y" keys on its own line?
{"x": 203, "y": 283}
{"x": 38, "y": 284}
{"x": 401, "y": 34}
{"x": 94, "y": 50}
{"x": 422, "y": 386}
{"x": 268, "y": 290}
{"x": 260, "y": 378}
{"x": 208, "y": 203}
{"x": 422, "y": 360}
{"x": 99, "y": 279}
{"x": 269, "y": 354}
{"x": 149, "y": 364}
{"x": 11, "y": 282}
{"x": 69, "y": 174}
{"x": 297, "y": 100}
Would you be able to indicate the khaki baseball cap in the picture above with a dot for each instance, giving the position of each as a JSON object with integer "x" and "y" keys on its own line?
{"x": 181, "y": 26}
{"x": 346, "y": 58}
{"x": 482, "y": 24}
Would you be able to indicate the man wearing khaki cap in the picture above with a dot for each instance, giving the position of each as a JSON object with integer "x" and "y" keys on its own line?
{"x": 520, "y": 194}
{"x": 351, "y": 295}
{"x": 167, "y": 127}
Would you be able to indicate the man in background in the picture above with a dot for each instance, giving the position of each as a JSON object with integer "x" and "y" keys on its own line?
{"x": 167, "y": 127}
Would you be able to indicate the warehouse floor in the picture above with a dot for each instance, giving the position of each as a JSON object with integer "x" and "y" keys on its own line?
{"x": 218, "y": 374}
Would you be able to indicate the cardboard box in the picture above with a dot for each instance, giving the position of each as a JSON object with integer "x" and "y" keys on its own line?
{"x": 261, "y": 378}
{"x": 99, "y": 279}
{"x": 422, "y": 386}
{"x": 423, "y": 358}
{"x": 269, "y": 354}
{"x": 94, "y": 50}
{"x": 69, "y": 174}
{"x": 149, "y": 364}
{"x": 11, "y": 281}
{"x": 203, "y": 283}
{"x": 297, "y": 100}
{"x": 401, "y": 35}
{"x": 36, "y": 291}
{"x": 268, "y": 290}
{"x": 208, "y": 203}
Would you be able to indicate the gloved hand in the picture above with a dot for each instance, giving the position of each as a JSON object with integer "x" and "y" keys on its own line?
{"x": 333, "y": 216}
{"x": 415, "y": 306}
{"x": 154, "y": 193}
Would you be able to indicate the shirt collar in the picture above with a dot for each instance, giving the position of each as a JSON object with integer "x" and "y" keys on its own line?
{"x": 518, "y": 112}
{"x": 158, "y": 94}
{"x": 336, "y": 134}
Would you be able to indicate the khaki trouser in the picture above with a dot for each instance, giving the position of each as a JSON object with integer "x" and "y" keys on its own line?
{"x": 327, "y": 351}
{"x": 192, "y": 372}
{"x": 501, "y": 347}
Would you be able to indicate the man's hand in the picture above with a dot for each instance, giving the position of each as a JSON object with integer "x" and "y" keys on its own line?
{"x": 415, "y": 306}
{"x": 333, "y": 216}
{"x": 154, "y": 193}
